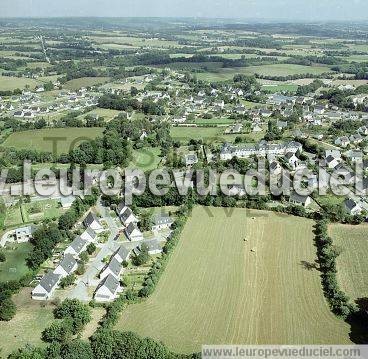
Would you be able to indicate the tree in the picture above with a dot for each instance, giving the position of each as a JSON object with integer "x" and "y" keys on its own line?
{"x": 67, "y": 281}
{"x": 76, "y": 349}
{"x": 73, "y": 309}
{"x": 2, "y": 256}
{"x": 28, "y": 352}
{"x": 91, "y": 248}
{"x": 7, "y": 309}
{"x": 142, "y": 257}
{"x": 58, "y": 332}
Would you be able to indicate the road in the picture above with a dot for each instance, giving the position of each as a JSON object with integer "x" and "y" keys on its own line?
{"x": 96, "y": 264}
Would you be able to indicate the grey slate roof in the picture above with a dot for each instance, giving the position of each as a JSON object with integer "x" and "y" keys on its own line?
{"x": 350, "y": 204}
{"x": 49, "y": 281}
{"x": 125, "y": 215}
{"x": 91, "y": 232}
{"x": 123, "y": 252}
{"x": 114, "y": 266}
{"x": 153, "y": 245}
{"x": 68, "y": 263}
{"x": 110, "y": 282}
{"x": 295, "y": 197}
{"x": 162, "y": 219}
{"x": 91, "y": 217}
{"x": 78, "y": 244}
{"x": 131, "y": 227}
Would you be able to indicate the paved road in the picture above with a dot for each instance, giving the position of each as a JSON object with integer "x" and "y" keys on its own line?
{"x": 95, "y": 265}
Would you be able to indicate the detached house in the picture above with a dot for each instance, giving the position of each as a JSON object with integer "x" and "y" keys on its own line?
{"x": 112, "y": 268}
{"x": 76, "y": 247}
{"x": 161, "y": 222}
{"x": 122, "y": 254}
{"x": 107, "y": 290}
{"x": 92, "y": 221}
{"x": 127, "y": 216}
{"x": 46, "y": 287}
{"x": 133, "y": 233}
{"x": 67, "y": 266}
{"x": 300, "y": 200}
{"x": 89, "y": 235}
{"x": 292, "y": 160}
{"x": 352, "y": 207}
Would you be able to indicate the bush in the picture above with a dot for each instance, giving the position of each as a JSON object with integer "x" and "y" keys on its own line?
{"x": 7, "y": 309}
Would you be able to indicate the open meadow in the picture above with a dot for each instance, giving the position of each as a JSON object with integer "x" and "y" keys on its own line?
{"x": 241, "y": 277}
{"x": 352, "y": 264}
{"x": 42, "y": 140}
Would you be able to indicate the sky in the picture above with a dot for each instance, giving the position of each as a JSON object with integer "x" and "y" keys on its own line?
{"x": 310, "y": 10}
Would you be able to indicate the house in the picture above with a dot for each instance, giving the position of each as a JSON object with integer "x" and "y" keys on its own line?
{"x": 107, "y": 290}
{"x": 67, "y": 201}
{"x": 127, "y": 216}
{"x": 76, "y": 247}
{"x": 89, "y": 235}
{"x": 154, "y": 247}
{"x": 356, "y": 138}
{"x": 18, "y": 114}
{"x": 161, "y": 222}
{"x": 275, "y": 168}
{"x": 319, "y": 110}
{"x": 331, "y": 161}
{"x": 352, "y": 207}
{"x": 133, "y": 233}
{"x": 24, "y": 234}
{"x": 114, "y": 268}
{"x": 67, "y": 266}
{"x": 354, "y": 155}
{"x": 281, "y": 125}
{"x": 266, "y": 113}
{"x": 122, "y": 254}
{"x": 46, "y": 287}
{"x": 92, "y": 221}
{"x": 191, "y": 159}
{"x": 342, "y": 141}
{"x": 300, "y": 200}
{"x": 333, "y": 153}
{"x": 292, "y": 160}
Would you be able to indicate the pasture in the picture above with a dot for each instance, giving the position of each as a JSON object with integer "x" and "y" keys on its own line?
{"x": 76, "y": 84}
{"x": 226, "y": 74}
{"x": 14, "y": 266}
{"x": 352, "y": 266}
{"x": 42, "y": 140}
{"x": 26, "y": 327}
{"x": 218, "y": 288}
{"x": 8, "y": 83}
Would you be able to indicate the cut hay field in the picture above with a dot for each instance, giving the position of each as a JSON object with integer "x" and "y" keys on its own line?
{"x": 42, "y": 140}
{"x": 215, "y": 290}
{"x": 225, "y": 74}
{"x": 11, "y": 83}
{"x": 352, "y": 263}
{"x": 26, "y": 327}
{"x": 76, "y": 84}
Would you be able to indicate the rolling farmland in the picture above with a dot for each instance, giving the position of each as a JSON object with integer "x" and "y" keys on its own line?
{"x": 352, "y": 263}
{"x": 218, "y": 288}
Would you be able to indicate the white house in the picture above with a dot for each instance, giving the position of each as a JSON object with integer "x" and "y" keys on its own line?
{"x": 89, "y": 235}
{"x": 76, "y": 247}
{"x": 112, "y": 268}
{"x": 24, "y": 234}
{"x": 154, "y": 247}
{"x": 300, "y": 200}
{"x": 133, "y": 233}
{"x": 122, "y": 254}
{"x": 127, "y": 216}
{"x": 92, "y": 221}
{"x": 67, "y": 266}
{"x": 161, "y": 222}
{"x": 352, "y": 207}
{"x": 46, "y": 287}
{"x": 292, "y": 160}
{"x": 107, "y": 290}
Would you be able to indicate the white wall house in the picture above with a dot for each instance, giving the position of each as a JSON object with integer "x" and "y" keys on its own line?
{"x": 107, "y": 290}
{"x": 46, "y": 287}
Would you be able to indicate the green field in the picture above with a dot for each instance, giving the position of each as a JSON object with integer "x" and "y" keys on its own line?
{"x": 265, "y": 70}
{"x": 146, "y": 158}
{"x": 13, "y": 216}
{"x": 352, "y": 263}
{"x": 37, "y": 211}
{"x": 196, "y": 133}
{"x": 26, "y": 327}
{"x": 12, "y": 83}
{"x": 76, "y": 84}
{"x": 42, "y": 140}
{"x": 15, "y": 265}
{"x": 218, "y": 288}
